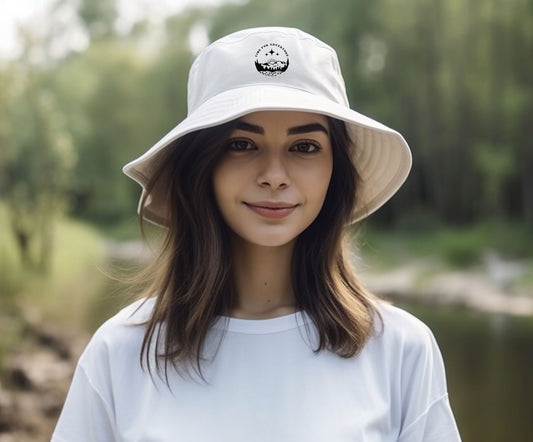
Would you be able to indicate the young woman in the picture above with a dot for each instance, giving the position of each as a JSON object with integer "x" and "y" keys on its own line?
{"x": 254, "y": 327}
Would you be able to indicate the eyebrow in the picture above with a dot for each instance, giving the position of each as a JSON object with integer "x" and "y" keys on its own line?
{"x": 313, "y": 127}
{"x": 296, "y": 130}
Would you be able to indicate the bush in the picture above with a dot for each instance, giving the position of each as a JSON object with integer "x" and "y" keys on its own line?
{"x": 11, "y": 274}
{"x": 65, "y": 292}
{"x": 461, "y": 248}
{"x": 457, "y": 246}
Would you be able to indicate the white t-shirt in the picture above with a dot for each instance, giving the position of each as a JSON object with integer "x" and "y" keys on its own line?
{"x": 264, "y": 383}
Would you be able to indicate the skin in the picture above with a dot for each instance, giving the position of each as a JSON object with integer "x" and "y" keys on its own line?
{"x": 269, "y": 186}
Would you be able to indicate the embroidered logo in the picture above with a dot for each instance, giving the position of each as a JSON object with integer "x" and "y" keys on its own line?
{"x": 271, "y": 59}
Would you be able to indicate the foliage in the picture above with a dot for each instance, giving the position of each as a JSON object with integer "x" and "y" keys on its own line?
{"x": 11, "y": 271}
{"x": 452, "y": 76}
{"x": 458, "y": 246}
{"x": 98, "y": 17}
{"x": 72, "y": 280}
{"x": 35, "y": 164}
{"x": 107, "y": 120}
{"x": 495, "y": 165}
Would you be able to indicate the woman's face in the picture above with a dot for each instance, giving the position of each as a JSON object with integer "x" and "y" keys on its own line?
{"x": 271, "y": 182}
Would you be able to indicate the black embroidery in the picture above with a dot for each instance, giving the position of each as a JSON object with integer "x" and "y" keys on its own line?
{"x": 271, "y": 59}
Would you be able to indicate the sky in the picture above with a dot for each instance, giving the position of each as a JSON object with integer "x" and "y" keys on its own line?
{"x": 33, "y": 12}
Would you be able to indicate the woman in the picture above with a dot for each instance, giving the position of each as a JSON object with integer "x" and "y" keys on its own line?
{"x": 254, "y": 327}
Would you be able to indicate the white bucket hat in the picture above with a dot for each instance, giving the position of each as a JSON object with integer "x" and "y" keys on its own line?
{"x": 275, "y": 68}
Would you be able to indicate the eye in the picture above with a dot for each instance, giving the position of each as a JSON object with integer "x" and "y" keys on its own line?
{"x": 306, "y": 147}
{"x": 239, "y": 145}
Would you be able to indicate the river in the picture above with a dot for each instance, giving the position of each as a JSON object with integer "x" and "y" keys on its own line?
{"x": 489, "y": 363}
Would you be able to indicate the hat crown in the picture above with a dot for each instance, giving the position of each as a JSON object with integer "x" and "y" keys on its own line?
{"x": 273, "y": 56}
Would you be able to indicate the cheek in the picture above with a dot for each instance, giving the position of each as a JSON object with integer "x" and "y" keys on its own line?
{"x": 326, "y": 176}
{"x": 226, "y": 182}
{"x": 222, "y": 175}
{"x": 216, "y": 181}
{"x": 319, "y": 179}
{"x": 219, "y": 184}
{"x": 321, "y": 182}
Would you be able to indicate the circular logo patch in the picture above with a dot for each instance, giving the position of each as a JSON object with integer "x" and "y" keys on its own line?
{"x": 271, "y": 59}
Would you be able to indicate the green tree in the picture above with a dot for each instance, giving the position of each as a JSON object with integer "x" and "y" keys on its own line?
{"x": 99, "y": 17}
{"x": 111, "y": 129}
{"x": 35, "y": 165}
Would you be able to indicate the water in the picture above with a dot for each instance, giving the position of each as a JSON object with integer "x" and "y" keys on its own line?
{"x": 489, "y": 363}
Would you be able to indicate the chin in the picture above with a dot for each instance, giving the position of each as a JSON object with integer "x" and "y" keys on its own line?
{"x": 270, "y": 242}
{"x": 269, "y": 239}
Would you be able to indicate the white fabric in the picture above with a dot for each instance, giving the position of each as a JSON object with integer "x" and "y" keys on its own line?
{"x": 263, "y": 384}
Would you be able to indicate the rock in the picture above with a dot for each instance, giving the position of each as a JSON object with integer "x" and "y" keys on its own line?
{"x": 430, "y": 283}
{"x": 40, "y": 370}
{"x": 18, "y": 378}
{"x": 36, "y": 379}
{"x": 7, "y": 417}
{"x": 51, "y": 336}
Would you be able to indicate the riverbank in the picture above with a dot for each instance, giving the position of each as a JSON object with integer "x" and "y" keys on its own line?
{"x": 37, "y": 373}
{"x": 35, "y": 378}
{"x": 493, "y": 291}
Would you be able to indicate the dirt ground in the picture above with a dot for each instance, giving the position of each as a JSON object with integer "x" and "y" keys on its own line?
{"x": 35, "y": 380}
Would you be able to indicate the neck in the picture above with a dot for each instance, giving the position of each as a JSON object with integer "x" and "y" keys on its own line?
{"x": 262, "y": 280}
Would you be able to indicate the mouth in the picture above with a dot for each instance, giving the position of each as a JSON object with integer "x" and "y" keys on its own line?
{"x": 274, "y": 210}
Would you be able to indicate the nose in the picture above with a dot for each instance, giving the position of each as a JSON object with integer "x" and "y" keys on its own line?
{"x": 273, "y": 172}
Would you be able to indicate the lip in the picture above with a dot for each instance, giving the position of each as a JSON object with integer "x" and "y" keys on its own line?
{"x": 272, "y": 209}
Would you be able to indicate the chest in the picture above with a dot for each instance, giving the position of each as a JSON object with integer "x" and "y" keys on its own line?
{"x": 263, "y": 389}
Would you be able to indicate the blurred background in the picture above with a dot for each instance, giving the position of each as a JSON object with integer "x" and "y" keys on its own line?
{"x": 87, "y": 85}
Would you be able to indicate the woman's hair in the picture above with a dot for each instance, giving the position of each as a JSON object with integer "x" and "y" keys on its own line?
{"x": 192, "y": 278}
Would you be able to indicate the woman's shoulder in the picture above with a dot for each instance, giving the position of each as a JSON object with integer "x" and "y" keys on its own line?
{"x": 123, "y": 330}
{"x": 134, "y": 313}
{"x": 398, "y": 317}
{"x": 398, "y": 327}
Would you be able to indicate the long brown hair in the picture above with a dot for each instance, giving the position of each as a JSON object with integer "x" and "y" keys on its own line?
{"x": 192, "y": 276}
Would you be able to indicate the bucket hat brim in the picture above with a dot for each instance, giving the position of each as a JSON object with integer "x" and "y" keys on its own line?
{"x": 380, "y": 154}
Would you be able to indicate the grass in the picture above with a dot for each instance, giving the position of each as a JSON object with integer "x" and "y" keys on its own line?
{"x": 75, "y": 275}
{"x": 11, "y": 272}
{"x": 458, "y": 247}
{"x": 64, "y": 293}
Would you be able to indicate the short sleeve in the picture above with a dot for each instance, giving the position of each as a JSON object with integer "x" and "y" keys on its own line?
{"x": 427, "y": 415}
{"x": 90, "y": 412}
{"x": 86, "y": 415}
{"x": 436, "y": 425}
